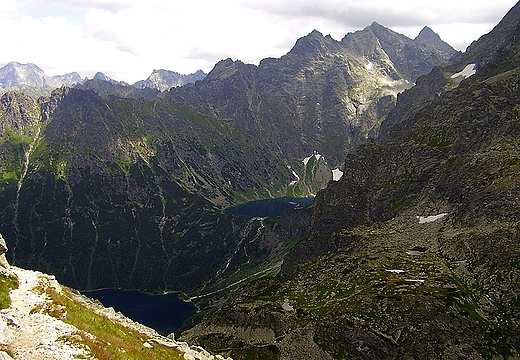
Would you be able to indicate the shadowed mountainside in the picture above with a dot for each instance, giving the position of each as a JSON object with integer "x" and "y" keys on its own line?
{"x": 415, "y": 251}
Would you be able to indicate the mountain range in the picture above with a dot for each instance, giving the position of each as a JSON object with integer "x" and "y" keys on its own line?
{"x": 15, "y": 74}
{"x": 413, "y": 252}
{"x": 32, "y": 80}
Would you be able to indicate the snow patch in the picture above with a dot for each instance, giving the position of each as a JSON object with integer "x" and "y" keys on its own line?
{"x": 316, "y": 155}
{"x": 469, "y": 70}
{"x": 294, "y": 182}
{"x": 287, "y": 306}
{"x": 428, "y": 219}
{"x": 396, "y": 271}
{"x": 337, "y": 174}
{"x": 414, "y": 252}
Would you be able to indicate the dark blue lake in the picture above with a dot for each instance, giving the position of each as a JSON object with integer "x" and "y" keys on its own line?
{"x": 269, "y": 207}
{"x": 163, "y": 313}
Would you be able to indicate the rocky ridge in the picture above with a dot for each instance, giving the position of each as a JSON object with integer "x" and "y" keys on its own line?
{"x": 31, "y": 80}
{"x": 323, "y": 95}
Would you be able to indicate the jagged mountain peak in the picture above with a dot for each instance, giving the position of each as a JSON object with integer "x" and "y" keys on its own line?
{"x": 377, "y": 27}
{"x": 70, "y": 78}
{"x": 429, "y": 39}
{"x": 315, "y": 33}
{"x": 427, "y": 33}
{"x": 318, "y": 70}
{"x": 100, "y": 76}
{"x": 17, "y": 66}
{"x": 162, "y": 79}
{"x": 226, "y": 68}
{"x": 494, "y": 53}
{"x": 314, "y": 42}
{"x": 199, "y": 73}
{"x": 15, "y": 74}
{"x": 411, "y": 58}
{"x": 381, "y": 30}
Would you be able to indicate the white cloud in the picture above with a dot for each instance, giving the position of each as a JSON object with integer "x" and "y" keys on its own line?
{"x": 127, "y": 39}
{"x": 113, "y": 6}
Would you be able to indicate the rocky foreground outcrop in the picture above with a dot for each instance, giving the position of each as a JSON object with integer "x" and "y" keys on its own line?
{"x": 35, "y": 325}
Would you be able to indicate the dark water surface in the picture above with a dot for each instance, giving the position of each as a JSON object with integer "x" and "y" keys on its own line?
{"x": 269, "y": 207}
{"x": 163, "y": 313}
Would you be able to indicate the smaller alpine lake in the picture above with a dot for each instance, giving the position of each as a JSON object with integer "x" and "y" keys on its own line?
{"x": 269, "y": 207}
{"x": 163, "y": 313}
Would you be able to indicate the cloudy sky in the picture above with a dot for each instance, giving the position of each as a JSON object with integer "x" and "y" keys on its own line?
{"x": 127, "y": 39}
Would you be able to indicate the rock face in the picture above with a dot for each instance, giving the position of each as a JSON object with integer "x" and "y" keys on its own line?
{"x": 414, "y": 251}
{"x": 324, "y": 95}
{"x": 86, "y": 165}
{"x": 411, "y": 58}
{"x": 3, "y": 249}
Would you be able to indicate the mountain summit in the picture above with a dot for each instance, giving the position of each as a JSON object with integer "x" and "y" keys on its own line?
{"x": 428, "y": 36}
{"x": 16, "y": 74}
{"x": 163, "y": 80}
{"x": 411, "y": 58}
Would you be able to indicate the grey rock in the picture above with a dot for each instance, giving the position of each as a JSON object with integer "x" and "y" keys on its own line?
{"x": 3, "y": 249}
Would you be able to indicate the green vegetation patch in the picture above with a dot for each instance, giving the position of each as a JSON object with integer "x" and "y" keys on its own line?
{"x": 111, "y": 340}
{"x": 7, "y": 283}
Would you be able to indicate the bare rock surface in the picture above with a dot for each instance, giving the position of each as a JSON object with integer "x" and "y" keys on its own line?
{"x": 31, "y": 334}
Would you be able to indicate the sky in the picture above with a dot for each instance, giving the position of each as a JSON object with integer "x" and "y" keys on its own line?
{"x": 128, "y": 39}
